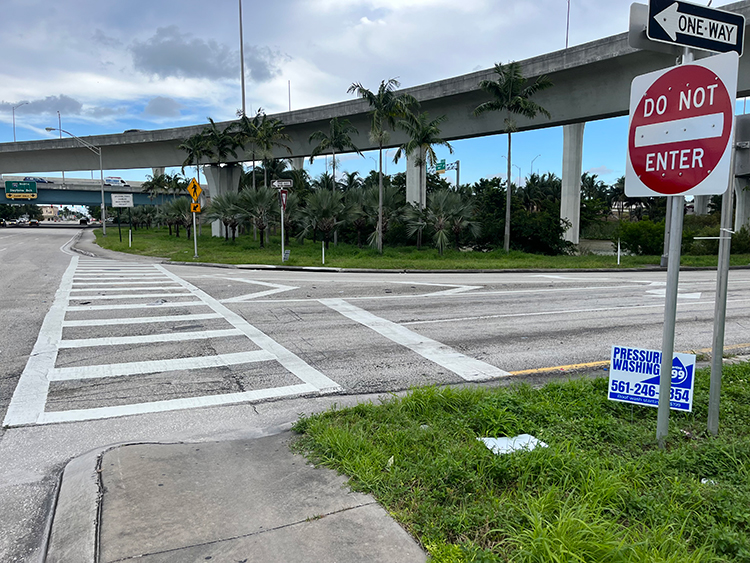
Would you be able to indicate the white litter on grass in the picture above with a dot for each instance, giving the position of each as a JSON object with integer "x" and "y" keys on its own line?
{"x": 508, "y": 445}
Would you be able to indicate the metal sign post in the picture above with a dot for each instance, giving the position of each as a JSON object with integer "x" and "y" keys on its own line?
{"x": 194, "y": 189}
{"x": 282, "y": 196}
{"x": 679, "y": 142}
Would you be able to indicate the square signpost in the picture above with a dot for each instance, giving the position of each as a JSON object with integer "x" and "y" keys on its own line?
{"x": 680, "y": 141}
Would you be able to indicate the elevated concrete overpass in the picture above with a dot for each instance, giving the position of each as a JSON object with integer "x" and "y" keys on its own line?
{"x": 591, "y": 82}
{"x": 76, "y": 191}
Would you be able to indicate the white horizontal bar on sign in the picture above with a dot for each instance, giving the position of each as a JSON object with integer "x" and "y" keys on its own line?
{"x": 679, "y": 130}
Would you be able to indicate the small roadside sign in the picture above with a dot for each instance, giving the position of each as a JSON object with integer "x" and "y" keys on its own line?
{"x": 681, "y": 123}
{"x": 696, "y": 26}
{"x": 122, "y": 200}
{"x": 440, "y": 166}
{"x": 20, "y": 190}
{"x": 286, "y": 256}
{"x": 195, "y": 207}
{"x": 283, "y": 194}
{"x": 285, "y": 183}
{"x": 634, "y": 377}
{"x": 194, "y": 189}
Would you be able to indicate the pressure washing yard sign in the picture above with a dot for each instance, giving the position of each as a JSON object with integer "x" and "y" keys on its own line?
{"x": 634, "y": 377}
{"x": 681, "y": 124}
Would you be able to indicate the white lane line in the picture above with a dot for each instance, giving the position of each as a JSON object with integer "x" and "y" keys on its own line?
{"x": 137, "y": 306}
{"x": 115, "y": 284}
{"x": 1, "y": 249}
{"x": 467, "y": 368}
{"x": 112, "y": 297}
{"x": 116, "y": 276}
{"x": 156, "y": 366}
{"x": 454, "y": 287}
{"x": 290, "y": 361}
{"x": 175, "y": 404}
{"x": 30, "y": 395}
{"x": 160, "y": 286}
{"x": 276, "y": 288}
{"x": 140, "y": 320}
{"x": 148, "y": 338}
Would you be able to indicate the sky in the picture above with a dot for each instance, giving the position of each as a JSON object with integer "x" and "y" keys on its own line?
{"x": 109, "y": 66}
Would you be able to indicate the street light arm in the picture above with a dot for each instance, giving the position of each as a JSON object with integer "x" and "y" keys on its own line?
{"x": 92, "y": 148}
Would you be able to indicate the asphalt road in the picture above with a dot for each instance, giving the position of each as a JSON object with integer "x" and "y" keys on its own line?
{"x": 97, "y": 352}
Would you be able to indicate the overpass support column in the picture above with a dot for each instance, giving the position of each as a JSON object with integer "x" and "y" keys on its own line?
{"x": 220, "y": 180}
{"x": 156, "y": 172}
{"x": 298, "y": 163}
{"x": 742, "y": 214}
{"x": 570, "y": 205}
{"x": 700, "y": 204}
{"x": 414, "y": 194}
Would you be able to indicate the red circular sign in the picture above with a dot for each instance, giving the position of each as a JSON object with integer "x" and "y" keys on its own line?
{"x": 680, "y": 129}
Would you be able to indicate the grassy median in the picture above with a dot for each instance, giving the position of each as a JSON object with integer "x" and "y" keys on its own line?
{"x": 245, "y": 250}
{"x": 602, "y": 491}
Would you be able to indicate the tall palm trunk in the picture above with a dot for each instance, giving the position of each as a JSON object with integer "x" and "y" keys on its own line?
{"x": 506, "y": 241}
{"x": 380, "y": 198}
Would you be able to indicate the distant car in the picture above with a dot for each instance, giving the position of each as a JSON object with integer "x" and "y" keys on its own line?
{"x": 83, "y": 221}
{"x": 132, "y": 130}
{"x": 37, "y": 180}
{"x": 116, "y": 181}
{"x": 33, "y": 223}
{"x": 3, "y": 223}
{"x": 12, "y": 222}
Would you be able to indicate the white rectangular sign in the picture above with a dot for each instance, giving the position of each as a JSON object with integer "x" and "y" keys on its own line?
{"x": 122, "y": 200}
{"x": 634, "y": 378}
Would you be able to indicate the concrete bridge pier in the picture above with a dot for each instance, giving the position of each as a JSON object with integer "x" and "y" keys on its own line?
{"x": 220, "y": 180}
{"x": 700, "y": 204}
{"x": 298, "y": 162}
{"x": 413, "y": 193}
{"x": 570, "y": 204}
{"x": 742, "y": 193}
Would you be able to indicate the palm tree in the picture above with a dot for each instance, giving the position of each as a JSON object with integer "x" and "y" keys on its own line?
{"x": 352, "y": 181}
{"x": 269, "y": 135}
{"x": 386, "y": 107}
{"x": 155, "y": 186}
{"x": 337, "y": 138}
{"x": 262, "y": 134}
{"x": 221, "y": 142}
{"x": 324, "y": 212}
{"x": 259, "y": 208}
{"x": 197, "y": 148}
{"x": 423, "y": 134}
{"x": 225, "y": 208}
{"x": 511, "y": 94}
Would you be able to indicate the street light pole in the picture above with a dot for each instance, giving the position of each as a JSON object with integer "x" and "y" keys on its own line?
{"x": 97, "y": 151}
{"x": 59, "y": 124}
{"x": 242, "y": 62}
{"x": 532, "y": 163}
{"x": 14, "y": 118}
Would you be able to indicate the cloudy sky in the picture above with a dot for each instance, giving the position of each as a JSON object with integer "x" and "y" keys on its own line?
{"x": 111, "y": 65}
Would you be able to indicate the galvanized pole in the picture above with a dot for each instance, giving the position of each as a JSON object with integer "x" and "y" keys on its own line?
{"x": 670, "y": 313}
{"x": 676, "y": 205}
{"x": 720, "y": 304}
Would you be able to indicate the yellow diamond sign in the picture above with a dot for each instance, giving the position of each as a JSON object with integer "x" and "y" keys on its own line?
{"x": 194, "y": 189}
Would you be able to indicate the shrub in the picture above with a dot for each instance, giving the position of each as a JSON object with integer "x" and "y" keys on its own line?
{"x": 641, "y": 238}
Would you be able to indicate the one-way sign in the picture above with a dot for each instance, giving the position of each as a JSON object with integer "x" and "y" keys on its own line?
{"x": 692, "y": 25}
{"x": 282, "y": 183}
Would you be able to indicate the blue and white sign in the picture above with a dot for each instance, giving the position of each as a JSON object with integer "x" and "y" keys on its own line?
{"x": 634, "y": 378}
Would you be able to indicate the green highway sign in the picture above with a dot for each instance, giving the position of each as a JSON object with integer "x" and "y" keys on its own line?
{"x": 440, "y": 166}
{"x": 20, "y": 190}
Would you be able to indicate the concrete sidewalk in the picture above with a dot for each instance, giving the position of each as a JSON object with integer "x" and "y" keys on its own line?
{"x": 246, "y": 501}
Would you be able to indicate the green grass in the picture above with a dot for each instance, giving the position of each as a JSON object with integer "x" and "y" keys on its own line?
{"x": 244, "y": 250}
{"x": 601, "y": 491}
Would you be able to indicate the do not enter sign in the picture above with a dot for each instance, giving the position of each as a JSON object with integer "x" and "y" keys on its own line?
{"x": 681, "y": 124}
